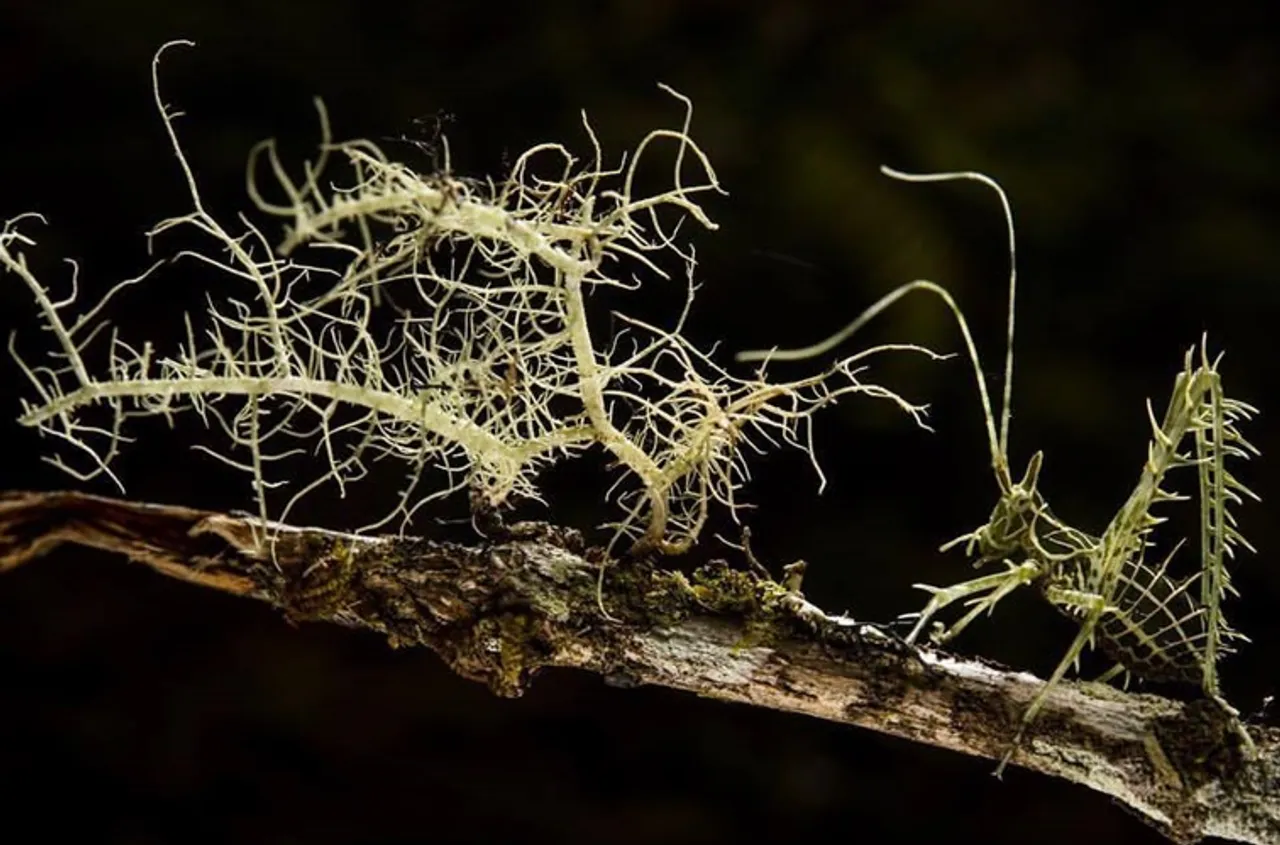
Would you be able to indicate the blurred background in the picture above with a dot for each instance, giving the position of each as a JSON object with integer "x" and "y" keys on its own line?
{"x": 1140, "y": 155}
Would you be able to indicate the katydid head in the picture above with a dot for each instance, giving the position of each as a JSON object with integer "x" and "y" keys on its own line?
{"x": 1013, "y": 520}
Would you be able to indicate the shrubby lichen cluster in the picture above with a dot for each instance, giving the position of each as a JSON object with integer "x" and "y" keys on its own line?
{"x": 440, "y": 322}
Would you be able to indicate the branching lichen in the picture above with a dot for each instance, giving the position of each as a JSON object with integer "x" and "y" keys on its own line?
{"x": 441, "y": 322}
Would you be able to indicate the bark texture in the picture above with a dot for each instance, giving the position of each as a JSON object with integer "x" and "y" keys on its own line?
{"x": 500, "y": 611}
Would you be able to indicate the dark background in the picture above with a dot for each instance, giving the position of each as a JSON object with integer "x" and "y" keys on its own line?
{"x": 1140, "y": 154}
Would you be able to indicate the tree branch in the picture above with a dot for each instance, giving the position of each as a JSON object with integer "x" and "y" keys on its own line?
{"x": 500, "y": 611}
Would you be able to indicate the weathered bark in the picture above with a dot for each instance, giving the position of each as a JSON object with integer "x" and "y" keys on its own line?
{"x": 500, "y": 611}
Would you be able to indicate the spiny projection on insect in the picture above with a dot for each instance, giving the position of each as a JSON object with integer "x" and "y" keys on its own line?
{"x": 1155, "y": 627}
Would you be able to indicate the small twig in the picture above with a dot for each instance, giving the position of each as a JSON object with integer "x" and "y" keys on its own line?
{"x": 754, "y": 562}
{"x": 500, "y": 612}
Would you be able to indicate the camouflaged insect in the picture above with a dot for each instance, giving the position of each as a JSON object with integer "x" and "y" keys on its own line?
{"x": 1154, "y": 626}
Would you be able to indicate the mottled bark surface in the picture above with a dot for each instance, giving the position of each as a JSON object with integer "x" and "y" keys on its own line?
{"x": 500, "y": 611}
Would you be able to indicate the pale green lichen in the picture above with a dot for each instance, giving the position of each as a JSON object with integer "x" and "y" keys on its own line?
{"x": 441, "y": 322}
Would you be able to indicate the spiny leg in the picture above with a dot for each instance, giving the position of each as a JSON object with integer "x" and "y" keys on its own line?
{"x": 1016, "y": 577}
{"x": 1215, "y": 438}
{"x": 1094, "y": 606}
{"x": 1000, "y": 585}
{"x": 1210, "y": 439}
